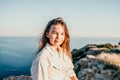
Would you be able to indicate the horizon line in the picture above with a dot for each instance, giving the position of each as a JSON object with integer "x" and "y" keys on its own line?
{"x": 70, "y": 36}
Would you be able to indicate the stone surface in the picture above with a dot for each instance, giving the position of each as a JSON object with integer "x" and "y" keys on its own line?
{"x": 97, "y": 62}
{"x": 21, "y": 77}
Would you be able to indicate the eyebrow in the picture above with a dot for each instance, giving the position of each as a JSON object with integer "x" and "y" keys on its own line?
{"x": 56, "y": 31}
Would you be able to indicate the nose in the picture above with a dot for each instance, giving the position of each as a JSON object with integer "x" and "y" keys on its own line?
{"x": 58, "y": 36}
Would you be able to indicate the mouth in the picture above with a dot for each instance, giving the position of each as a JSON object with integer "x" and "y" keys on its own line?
{"x": 57, "y": 40}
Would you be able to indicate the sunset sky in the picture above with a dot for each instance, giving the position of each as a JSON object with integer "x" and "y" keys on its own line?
{"x": 85, "y": 18}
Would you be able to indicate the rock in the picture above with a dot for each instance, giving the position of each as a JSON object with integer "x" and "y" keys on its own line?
{"x": 21, "y": 77}
{"x": 94, "y": 49}
{"x": 107, "y": 45}
{"x": 115, "y": 51}
{"x": 94, "y": 69}
{"x": 99, "y": 77}
{"x": 97, "y": 62}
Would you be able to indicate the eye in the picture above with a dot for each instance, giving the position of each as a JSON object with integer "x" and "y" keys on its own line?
{"x": 54, "y": 32}
{"x": 62, "y": 33}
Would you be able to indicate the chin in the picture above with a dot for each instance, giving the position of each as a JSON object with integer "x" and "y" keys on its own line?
{"x": 57, "y": 44}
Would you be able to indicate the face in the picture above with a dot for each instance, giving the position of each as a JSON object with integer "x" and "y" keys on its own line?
{"x": 56, "y": 35}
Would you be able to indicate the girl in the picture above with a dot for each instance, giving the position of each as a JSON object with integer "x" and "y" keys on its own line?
{"x": 53, "y": 59}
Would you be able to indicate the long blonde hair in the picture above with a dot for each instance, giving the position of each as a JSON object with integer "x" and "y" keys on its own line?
{"x": 66, "y": 43}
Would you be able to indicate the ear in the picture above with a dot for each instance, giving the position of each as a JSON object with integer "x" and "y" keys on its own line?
{"x": 47, "y": 34}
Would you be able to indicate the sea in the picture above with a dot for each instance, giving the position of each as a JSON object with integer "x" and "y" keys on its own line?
{"x": 16, "y": 53}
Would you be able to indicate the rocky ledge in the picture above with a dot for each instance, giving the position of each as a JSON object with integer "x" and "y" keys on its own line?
{"x": 97, "y": 62}
{"x": 21, "y": 77}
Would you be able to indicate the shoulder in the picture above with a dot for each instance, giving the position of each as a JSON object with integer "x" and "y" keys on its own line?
{"x": 40, "y": 58}
{"x": 44, "y": 54}
{"x": 41, "y": 55}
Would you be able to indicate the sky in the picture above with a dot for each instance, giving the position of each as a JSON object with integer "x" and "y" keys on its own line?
{"x": 84, "y": 18}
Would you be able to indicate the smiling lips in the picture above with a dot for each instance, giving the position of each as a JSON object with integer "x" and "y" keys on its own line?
{"x": 57, "y": 41}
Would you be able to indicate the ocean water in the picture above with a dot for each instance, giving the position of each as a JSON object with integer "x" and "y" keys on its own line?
{"x": 16, "y": 53}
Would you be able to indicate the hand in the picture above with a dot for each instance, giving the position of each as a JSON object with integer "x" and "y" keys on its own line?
{"x": 73, "y": 78}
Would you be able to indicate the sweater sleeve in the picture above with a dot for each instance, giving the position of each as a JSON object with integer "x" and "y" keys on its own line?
{"x": 70, "y": 71}
{"x": 69, "y": 68}
{"x": 39, "y": 69}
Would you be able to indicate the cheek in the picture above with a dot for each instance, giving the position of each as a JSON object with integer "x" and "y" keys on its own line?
{"x": 62, "y": 37}
{"x": 53, "y": 36}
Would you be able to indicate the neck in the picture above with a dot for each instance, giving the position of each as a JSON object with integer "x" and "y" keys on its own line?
{"x": 57, "y": 48}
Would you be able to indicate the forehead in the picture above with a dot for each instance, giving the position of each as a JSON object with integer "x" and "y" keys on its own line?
{"x": 57, "y": 27}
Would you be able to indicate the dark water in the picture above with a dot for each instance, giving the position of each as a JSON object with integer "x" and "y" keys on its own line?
{"x": 16, "y": 53}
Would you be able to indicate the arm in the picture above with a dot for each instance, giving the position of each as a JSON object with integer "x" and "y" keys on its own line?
{"x": 70, "y": 71}
{"x": 73, "y": 78}
{"x": 39, "y": 69}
